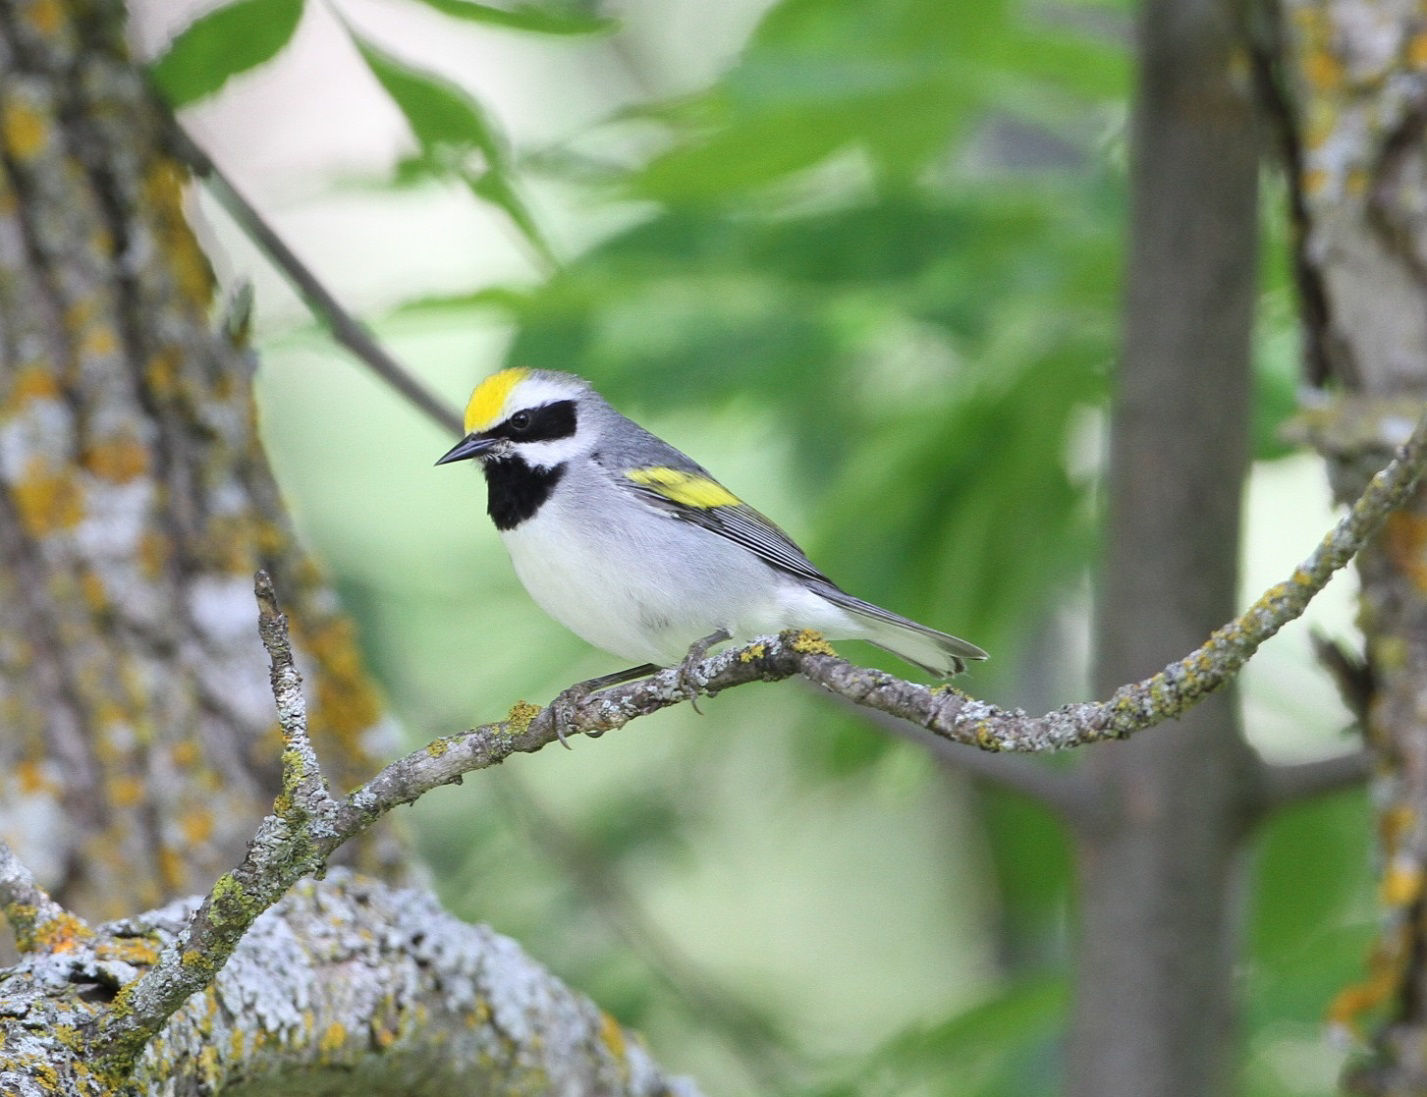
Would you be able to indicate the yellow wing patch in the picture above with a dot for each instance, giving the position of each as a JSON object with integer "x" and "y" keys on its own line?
{"x": 489, "y": 398}
{"x": 686, "y": 488}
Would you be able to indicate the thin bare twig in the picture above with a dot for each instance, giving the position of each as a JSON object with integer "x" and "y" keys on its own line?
{"x": 345, "y": 328}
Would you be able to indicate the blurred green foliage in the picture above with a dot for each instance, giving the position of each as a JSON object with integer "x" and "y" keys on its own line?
{"x": 878, "y": 259}
{"x": 217, "y": 46}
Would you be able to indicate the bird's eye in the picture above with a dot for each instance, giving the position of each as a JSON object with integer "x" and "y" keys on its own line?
{"x": 520, "y": 422}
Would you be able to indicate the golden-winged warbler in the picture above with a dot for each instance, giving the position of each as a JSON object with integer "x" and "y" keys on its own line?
{"x": 637, "y": 550}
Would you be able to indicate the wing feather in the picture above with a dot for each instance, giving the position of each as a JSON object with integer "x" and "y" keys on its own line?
{"x": 686, "y": 493}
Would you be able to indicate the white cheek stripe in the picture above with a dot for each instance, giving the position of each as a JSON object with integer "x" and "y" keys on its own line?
{"x": 549, "y": 454}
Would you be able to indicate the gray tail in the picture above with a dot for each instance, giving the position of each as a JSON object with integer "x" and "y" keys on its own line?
{"x": 935, "y": 652}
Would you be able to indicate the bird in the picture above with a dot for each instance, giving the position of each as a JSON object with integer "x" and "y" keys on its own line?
{"x": 637, "y": 549}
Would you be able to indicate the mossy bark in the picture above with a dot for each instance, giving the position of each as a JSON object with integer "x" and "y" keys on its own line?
{"x": 139, "y": 746}
{"x": 1353, "y": 114}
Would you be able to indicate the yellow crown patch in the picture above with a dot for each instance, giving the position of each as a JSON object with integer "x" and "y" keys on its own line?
{"x": 687, "y": 488}
{"x": 489, "y": 399}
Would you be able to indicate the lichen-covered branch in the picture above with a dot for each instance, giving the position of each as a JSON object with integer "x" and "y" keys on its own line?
{"x": 292, "y": 842}
{"x": 308, "y": 824}
{"x": 343, "y": 979}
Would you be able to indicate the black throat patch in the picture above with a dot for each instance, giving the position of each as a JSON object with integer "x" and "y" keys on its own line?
{"x": 515, "y": 491}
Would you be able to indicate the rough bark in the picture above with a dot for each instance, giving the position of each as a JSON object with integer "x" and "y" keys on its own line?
{"x": 139, "y": 747}
{"x": 135, "y": 503}
{"x": 1158, "y": 862}
{"x": 1352, "y": 93}
{"x": 343, "y": 979}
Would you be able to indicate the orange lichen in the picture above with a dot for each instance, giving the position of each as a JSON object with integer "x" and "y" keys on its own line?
{"x": 118, "y": 460}
{"x": 171, "y": 868}
{"x": 163, "y": 190}
{"x": 62, "y": 934}
{"x": 1404, "y": 536}
{"x": 23, "y": 129}
{"x": 91, "y": 587}
{"x": 332, "y": 1038}
{"x": 48, "y": 499}
{"x": 139, "y": 951}
{"x": 33, "y": 382}
{"x": 1323, "y": 71}
{"x": 1401, "y": 884}
{"x": 1384, "y": 977}
{"x": 126, "y": 790}
{"x": 227, "y": 544}
{"x": 1417, "y": 51}
{"x": 270, "y": 538}
{"x": 347, "y": 704}
{"x": 163, "y": 371}
{"x": 31, "y": 778}
{"x": 197, "y": 825}
{"x": 382, "y": 1035}
{"x": 45, "y": 16}
{"x": 612, "y": 1036}
{"x": 99, "y": 341}
{"x": 153, "y": 554}
{"x": 184, "y": 753}
{"x": 1394, "y": 823}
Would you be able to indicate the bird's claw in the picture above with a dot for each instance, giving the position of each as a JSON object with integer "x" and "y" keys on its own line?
{"x": 688, "y": 683}
{"x": 563, "y": 708}
{"x": 562, "y": 711}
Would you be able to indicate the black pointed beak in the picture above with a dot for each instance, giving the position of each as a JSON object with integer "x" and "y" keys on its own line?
{"x": 472, "y": 445}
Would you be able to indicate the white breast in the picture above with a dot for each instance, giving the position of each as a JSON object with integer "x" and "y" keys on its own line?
{"x": 644, "y": 585}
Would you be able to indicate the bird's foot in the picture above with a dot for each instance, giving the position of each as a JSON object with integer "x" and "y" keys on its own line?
{"x": 697, "y": 650}
{"x": 563, "y": 708}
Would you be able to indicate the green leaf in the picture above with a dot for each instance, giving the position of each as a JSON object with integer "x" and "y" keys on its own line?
{"x": 536, "y": 18}
{"x": 495, "y": 187}
{"x": 443, "y": 118}
{"x": 449, "y": 125}
{"x": 221, "y": 44}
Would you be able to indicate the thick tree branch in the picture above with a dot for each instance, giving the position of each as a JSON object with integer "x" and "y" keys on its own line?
{"x": 344, "y": 979}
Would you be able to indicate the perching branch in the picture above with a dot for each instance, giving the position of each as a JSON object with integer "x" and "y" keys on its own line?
{"x": 308, "y": 824}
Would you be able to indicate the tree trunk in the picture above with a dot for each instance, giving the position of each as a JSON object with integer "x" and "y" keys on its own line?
{"x": 1158, "y": 864}
{"x": 1353, "y": 107}
{"x": 140, "y": 743}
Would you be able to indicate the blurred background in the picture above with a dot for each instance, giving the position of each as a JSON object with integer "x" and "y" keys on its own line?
{"x": 878, "y": 296}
